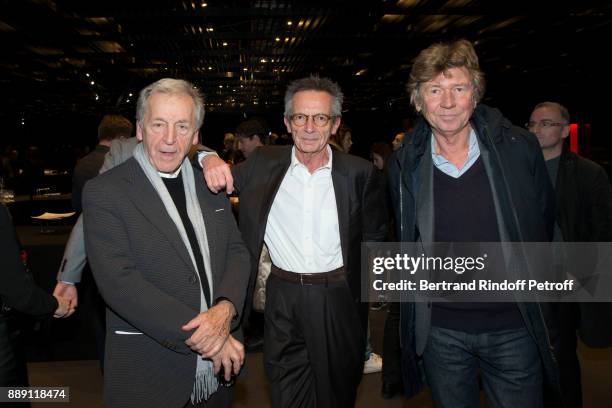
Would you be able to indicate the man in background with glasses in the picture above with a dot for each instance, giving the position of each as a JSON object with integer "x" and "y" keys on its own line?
{"x": 584, "y": 214}
{"x": 312, "y": 207}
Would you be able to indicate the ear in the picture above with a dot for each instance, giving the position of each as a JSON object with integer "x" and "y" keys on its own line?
{"x": 195, "y": 137}
{"x": 287, "y": 124}
{"x": 139, "y": 132}
{"x": 565, "y": 131}
{"x": 336, "y": 125}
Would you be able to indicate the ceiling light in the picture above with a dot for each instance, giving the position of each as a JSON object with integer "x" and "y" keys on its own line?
{"x": 92, "y": 83}
{"x": 245, "y": 69}
{"x": 289, "y": 23}
{"x": 210, "y": 29}
{"x": 277, "y": 39}
{"x": 220, "y": 86}
{"x": 130, "y": 94}
{"x": 210, "y": 68}
{"x": 204, "y": 4}
{"x": 263, "y": 60}
{"x": 224, "y": 44}
{"x": 87, "y": 75}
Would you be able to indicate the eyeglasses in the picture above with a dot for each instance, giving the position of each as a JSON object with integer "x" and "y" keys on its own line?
{"x": 545, "y": 124}
{"x": 319, "y": 119}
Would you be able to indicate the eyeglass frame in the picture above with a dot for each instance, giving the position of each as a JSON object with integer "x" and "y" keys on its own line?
{"x": 544, "y": 123}
{"x": 308, "y": 117}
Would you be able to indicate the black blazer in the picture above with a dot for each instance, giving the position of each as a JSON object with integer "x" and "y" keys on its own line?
{"x": 148, "y": 281}
{"x": 362, "y": 212}
{"x": 17, "y": 290}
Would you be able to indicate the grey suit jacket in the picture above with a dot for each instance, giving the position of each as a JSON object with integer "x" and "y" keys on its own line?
{"x": 148, "y": 281}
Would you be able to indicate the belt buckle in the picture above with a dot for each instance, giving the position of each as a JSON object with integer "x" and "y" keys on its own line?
{"x": 302, "y": 280}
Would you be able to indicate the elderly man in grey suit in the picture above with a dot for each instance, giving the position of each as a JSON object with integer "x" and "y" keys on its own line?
{"x": 169, "y": 262}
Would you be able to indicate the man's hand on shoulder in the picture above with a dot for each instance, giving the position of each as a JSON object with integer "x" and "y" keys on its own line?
{"x": 211, "y": 329}
{"x": 217, "y": 174}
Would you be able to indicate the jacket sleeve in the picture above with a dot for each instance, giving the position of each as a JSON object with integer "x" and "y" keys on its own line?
{"x": 602, "y": 207}
{"x": 119, "y": 279}
{"x": 17, "y": 290}
{"x": 375, "y": 211}
{"x": 74, "y": 259}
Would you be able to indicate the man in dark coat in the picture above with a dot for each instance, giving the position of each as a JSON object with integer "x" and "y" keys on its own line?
{"x": 19, "y": 292}
{"x": 584, "y": 214}
{"x": 467, "y": 174}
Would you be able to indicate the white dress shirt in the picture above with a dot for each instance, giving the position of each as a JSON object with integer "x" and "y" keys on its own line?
{"x": 302, "y": 233}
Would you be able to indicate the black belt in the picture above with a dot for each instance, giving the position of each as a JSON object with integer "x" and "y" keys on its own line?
{"x": 337, "y": 275}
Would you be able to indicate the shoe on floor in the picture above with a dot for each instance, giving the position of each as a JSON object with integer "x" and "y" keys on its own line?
{"x": 373, "y": 364}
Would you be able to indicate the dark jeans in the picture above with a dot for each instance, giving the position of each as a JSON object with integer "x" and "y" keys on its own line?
{"x": 508, "y": 362}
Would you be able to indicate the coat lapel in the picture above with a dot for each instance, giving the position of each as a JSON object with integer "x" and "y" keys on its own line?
{"x": 210, "y": 219}
{"x": 341, "y": 182}
{"x": 148, "y": 202}
{"x": 277, "y": 174}
{"x": 425, "y": 198}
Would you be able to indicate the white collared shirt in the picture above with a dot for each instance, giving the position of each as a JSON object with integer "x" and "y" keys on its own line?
{"x": 302, "y": 233}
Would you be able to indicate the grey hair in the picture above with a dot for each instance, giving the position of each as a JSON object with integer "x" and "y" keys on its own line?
{"x": 171, "y": 86}
{"x": 315, "y": 83}
{"x": 555, "y": 105}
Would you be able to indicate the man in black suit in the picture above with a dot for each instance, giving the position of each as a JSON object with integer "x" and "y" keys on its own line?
{"x": 313, "y": 208}
{"x": 169, "y": 262}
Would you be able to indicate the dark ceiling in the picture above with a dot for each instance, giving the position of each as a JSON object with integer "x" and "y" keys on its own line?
{"x": 88, "y": 56}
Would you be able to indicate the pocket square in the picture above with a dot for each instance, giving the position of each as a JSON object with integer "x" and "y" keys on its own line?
{"x": 125, "y": 332}
{"x": 219, "y": 209}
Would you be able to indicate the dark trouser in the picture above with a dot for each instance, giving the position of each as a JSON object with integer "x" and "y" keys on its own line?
{"x": 220, "y": 399}
{"x": 313, "y": 344}
{"x": 508, "y": 361}
{"x": 565, "y": 342}
{"x": 391, "y": 370}
{"x": 13, "y": 369}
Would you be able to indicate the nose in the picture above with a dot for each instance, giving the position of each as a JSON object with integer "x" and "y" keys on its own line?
{"x": 169, "y": 135}
{"x": 309, "y": 126}
{"x": 448, "y": 100}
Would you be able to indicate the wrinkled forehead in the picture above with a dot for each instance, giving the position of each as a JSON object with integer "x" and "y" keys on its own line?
{"x": 455, "y": 75}
{"x": 312, "y": 101}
